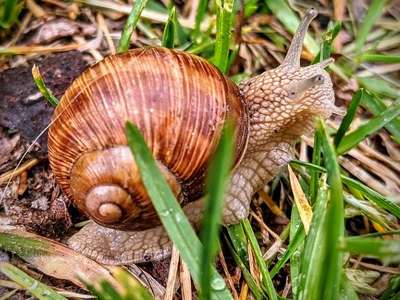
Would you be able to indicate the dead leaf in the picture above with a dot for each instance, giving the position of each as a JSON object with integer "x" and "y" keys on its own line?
{"x": 300, "y": 199}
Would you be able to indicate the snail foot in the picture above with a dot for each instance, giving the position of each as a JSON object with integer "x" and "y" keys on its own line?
{"x": 115, "y": 247}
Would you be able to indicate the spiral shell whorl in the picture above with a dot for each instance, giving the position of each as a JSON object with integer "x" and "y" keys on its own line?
{"x": 106, "y": 185}
{"x": 107, "y": 203}
{"x": 178, "y": 101}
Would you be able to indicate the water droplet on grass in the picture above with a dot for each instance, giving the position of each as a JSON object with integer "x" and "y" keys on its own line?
{"x": 218, "y": 284}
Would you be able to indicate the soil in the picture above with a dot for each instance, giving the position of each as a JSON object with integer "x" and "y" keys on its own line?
{"x": 22, "y": 108}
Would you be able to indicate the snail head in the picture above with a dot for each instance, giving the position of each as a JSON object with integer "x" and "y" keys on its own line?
{"x": 289, "y": 97}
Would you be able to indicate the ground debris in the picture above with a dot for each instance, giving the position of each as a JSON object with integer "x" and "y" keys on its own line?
{"x": 22, "y": 108}
{"x": 42, "y": 208}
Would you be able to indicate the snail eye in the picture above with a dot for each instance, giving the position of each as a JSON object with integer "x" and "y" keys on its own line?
{"x": 292, "y": 94}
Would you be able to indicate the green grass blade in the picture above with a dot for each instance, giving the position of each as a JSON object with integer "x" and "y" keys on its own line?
{"x": 347, "y": 292}
{"x": 266, "y": 278}
{"x": 348, "y": 118}
{"x": 310, "y": 166}
{"x": 393, "y": 291}
{"x": 386, "y": 250}
{"x": 239, "y": 241}
{"x": 289, "y": 19}
{"x": 294, "y": 245}
{"x": 328, "y": 38}
{"x": 201, "y": 12}
{"x": 250, "y": 7}
{"x": 168, "y": 38}
{"x": 334, "y": 220}
{"x": 171, "y": 215}
{"x": 36, "y": 288}
{"x": 379, "y": 86}
{"x": 370, "y": 210}
{"x": 316, "y": 160}
{"x": 374, "y": 12}
{"x": 130, "y": 288}
{"x": 354, "y": 138}
{"x": 225, "y": 14}
{"x": 257, "y": 292}
{"x": 130, "y": 25}
{"x": 295, "y": 225}
{"x": 41, "y": 86}
{"x": 315, "y": 251}
{"x": 367, "y": 192}
{"x": 376, "y": 106}
{"x": 216, "y": 183}
{"x": 9, "y": 12}
{"x": 384, "y": 58}
{"x": 373, "y": 196}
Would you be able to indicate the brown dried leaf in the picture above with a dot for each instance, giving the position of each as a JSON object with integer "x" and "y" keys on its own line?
{"x": 53, "y": 258}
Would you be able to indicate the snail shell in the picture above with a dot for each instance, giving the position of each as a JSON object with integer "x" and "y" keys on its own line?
{"x": 179, "y": 102}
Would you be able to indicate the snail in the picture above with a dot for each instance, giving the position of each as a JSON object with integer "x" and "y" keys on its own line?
{"x": 180, "y": 103}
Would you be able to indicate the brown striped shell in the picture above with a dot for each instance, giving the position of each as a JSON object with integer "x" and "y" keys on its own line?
{"x": 179, "y": 102}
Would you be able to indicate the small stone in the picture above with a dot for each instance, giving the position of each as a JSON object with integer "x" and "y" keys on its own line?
{"x": 41, "y": 203}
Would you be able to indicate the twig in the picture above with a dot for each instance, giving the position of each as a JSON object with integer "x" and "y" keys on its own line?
{"x": 23, "y": 168}
{"x": 173, "y": 270}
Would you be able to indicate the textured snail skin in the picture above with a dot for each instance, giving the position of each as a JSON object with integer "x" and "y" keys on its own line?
{"x": 270, "y": 111}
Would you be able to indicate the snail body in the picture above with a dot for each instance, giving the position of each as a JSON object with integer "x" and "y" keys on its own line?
{"x": 180, "y": 102}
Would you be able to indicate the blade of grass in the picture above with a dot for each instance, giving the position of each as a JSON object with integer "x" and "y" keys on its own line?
{"x": 352, "y": 139}
{"x": 333, "y": 228}
{"x": 182, "y": 37}
{"x": 347, "y": 292}
{"x": 315, "y": 250}
{"x": 216, "y": 183}
{"x": 379, "y": 86}
{"x": 201, "y": 12}
{"x": 386, "y": 250}
{"x": 168, "y": 38}
{"x": 9, "y": 12}
{"x": 369, "y": 193}
{"x": 293, "y": 246}
{"x": 257, "y": 292}
{"x": 374, "y": 12}
{"x": 171, "y": 215}
{"x": 316, "y": 160}
{"x": 328, "y": 38}
{"x": 36, "y": 288}
{"x": 250, "y": 7}
{"x": 373, "y": 196}
{"x": 130, "y": 25}
{"x": 377, "y": 106}
{"x": 371, "y": 211}
{"x": 130, "y": 288}
{"x": 266, "y": 278}
{"x": 393, "y": 291}
{"x": 41, "y": 86}
{"x": 225, "y": 15}
{"x": 295, "y": 258}
{"x": 239, "y": 241}
{"x": 384, "y": 58}
{"x": 334, "y": 219}
{"x": 289, "y": 19}
{"x": 348, "y": 118}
